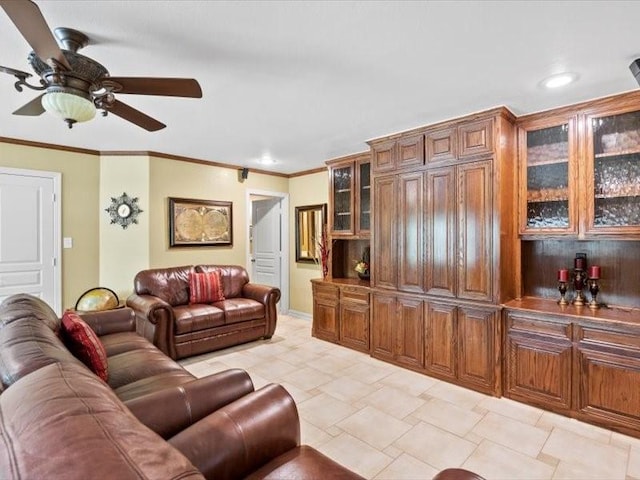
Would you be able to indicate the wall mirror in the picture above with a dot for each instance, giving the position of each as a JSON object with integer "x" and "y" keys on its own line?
{"x": 309, "y": 222}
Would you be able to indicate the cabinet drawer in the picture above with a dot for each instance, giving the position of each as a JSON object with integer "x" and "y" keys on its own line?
{"x": 326, "y": 291}
{"x": 517, "y": 323}
{"x": 596, "y": 336}
{"x": 441, "y": 145}
{"x": 476, "y": 138}
{"x": 354, "y": 295}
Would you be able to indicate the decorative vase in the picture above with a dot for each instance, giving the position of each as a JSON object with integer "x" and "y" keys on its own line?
{"x": 363, "y": 276}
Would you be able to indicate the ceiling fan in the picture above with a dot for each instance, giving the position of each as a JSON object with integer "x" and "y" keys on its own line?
{"x": 74, "y": 85}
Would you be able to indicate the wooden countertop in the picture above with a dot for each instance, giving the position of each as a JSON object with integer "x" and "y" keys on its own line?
{"x": 351, "y": 282}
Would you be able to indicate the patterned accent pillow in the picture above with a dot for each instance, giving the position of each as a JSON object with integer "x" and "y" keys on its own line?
{"x": 205, "y": 287}
{"x": 84, "y": 344}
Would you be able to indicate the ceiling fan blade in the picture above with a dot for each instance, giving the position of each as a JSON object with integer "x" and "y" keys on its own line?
{"x": 132, "y": 115}
{"x": 14, "y": 72}
{"x": 27, "y": 16}
{"x": 170, "y": 87}
{"x": 33, "y": 108}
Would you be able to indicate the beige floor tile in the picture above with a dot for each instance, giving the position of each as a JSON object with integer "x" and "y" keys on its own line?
{"x": 509, "y": 408}
{"x": 620, "y": 440}
{"x": 356, "y": 455}
{"x": 462, "y": 397}
{"x": 374, "y": 427}
{"x": 269, "y": 349}
{"x": 393, "y": 401}
{"x": 274, "y": 368}
{"x": 330, "y": 364}
{"x": 435, "y": 446}
{"x": 510, "y": 433}
{"x": 582, "y": 457}
{"x": 409, "y": 382}
{"x": 447, "y": 416}
{"x": 549, "y": 420}
{"x": 307, "y": 378}
{"x": 392, "y": 451}
{"x": 633, "y": 470}
{"x": 242, "y": 360}
{"x": 323, "y": 410}
{"x": 494, "y": 461}
{"x": 312, "y": 435}
{"x": 258, "y": 380}
{"x": 298, "y": 395}
{"x": 202, "y": 369}
{"x": 299, "y": 356}
{"x": 406, "y": 467}
{"x": 347, "y": 389}
{"x": 365, "y": 372}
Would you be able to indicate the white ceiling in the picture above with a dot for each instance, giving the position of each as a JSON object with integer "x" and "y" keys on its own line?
{"x": 307, "y": 81}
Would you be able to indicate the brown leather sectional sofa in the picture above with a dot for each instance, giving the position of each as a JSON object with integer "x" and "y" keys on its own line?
{"x": 165, "y": 317}
{"x": 150, "y": 420}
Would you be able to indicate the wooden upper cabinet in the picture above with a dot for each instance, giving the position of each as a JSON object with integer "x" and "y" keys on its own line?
{"x": 441, "y": 145}
{"x": 403, "y": 153}
{"x": 475, "y": 138}
{"x": 475, "y": 231}
{"x": 612, "y": 183}
{"x": 385, "y": 225}
{"x": 548, "y": 176}
{"x": 350, "y": 194}
{"x": 440, "y": 233}
{"x": 410, "y": 232}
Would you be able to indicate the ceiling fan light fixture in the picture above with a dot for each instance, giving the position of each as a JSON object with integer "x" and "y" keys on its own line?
{"x": 70, "y": 107}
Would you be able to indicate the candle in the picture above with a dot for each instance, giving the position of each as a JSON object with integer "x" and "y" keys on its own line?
{"x": 563, "y": 275}
{"x": 594, "y": 272}
{"x": 579, "y": 263}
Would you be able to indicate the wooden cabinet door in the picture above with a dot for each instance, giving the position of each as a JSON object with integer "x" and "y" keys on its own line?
{"x": 384, "y": 156}
{"x": 354, "y": 325}
{"x": 410, "y": 151}
{"x": 410, "y": 232}
{"x": 383, "y": 316}
{"x": 476, "y": 138}
{"x": 441, "y": 145}
{"x": 609, "y": 377}
{"x": 440, "y": 232}
{"x": 409, "y": 334}
{"x": 385, "y": 224}
{"x": 478, "y": 349}
{"x": 342, "y": 194}
{"x": 538, "y": 358}
{"x": 363, "y": 198}
{"x": 440, "y": 339}
{"x": 475, "y": 231}
{"x": 326, "y": 318}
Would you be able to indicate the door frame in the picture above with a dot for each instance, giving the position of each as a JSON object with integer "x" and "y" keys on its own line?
{"x": 284, "y": 238}
{"x": 56, "y": 177}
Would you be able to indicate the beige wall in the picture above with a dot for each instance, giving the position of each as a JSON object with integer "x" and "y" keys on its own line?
{"x": 80, "y": 210}
{"x": 304, "y": 190}
{"x": 170, "y": 178}
{"x": 123, "y": 252}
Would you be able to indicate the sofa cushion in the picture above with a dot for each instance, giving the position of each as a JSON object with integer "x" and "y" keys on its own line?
{"x": 234, "y": 278}
{"x": 85, "y": 344}
{"x": 240, "y": 310}
{"x": 116, "y": 343}
{"x": 169, "y": 284}
{"x": 205, "y": 287}
{"x": 192, "y": 318}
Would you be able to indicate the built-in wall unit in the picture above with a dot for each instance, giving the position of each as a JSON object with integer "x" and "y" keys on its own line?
{"x": 504, "y": 256}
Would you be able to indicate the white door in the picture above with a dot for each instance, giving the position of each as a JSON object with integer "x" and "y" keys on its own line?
{"x": 267, "y": 245}
{"x": 29, "y": 222}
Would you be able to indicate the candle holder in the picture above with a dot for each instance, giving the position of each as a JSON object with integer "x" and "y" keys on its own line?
{"x": 562, "y": 287}
{"x": 594, "y": 289}
{"x": 579, "y": 283}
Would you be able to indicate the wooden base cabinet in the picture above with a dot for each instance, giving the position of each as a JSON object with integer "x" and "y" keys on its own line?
{"x": 354, "y": 318}
{"x": 326, "y": 311}
{"x": 397, "y": 330}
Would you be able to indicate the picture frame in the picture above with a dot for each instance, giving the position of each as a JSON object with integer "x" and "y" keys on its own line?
{"x": 310, "y": 220}
{"x": 200, "y": 223}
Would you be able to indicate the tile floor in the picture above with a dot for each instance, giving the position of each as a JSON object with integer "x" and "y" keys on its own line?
{"x": 385, "y": 422}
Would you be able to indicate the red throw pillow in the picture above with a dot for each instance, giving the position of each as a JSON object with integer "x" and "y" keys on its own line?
{"x": 205, "y": 287}
{"x": 84, "y": 344}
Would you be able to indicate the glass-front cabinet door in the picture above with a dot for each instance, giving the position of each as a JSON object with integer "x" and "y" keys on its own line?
{"x": 342, "y": 194}
{"x": 364, "y": 196}
{"x": 548, "y": 178}
{"x": 613, "y": 173}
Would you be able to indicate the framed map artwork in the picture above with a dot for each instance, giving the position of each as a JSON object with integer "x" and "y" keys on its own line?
{"x": 199, "y": 223}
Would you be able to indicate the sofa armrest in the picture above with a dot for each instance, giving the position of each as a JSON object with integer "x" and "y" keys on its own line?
{"x": 242, "y": 436}
{"x": 173, "y": 409}
{"x": 110, "y": 321}
{"x": 269, "y": 296}
{"x": 147, "y": 306}
{"x": 457, "y": 474}
{"x": 154, "y": 321}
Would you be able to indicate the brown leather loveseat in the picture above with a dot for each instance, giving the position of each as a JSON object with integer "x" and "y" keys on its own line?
{"x": 165, "y": 316}
{"x": 150, "y": 419}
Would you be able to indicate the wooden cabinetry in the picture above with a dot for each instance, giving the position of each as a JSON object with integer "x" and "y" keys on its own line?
{"x": 350, "y": 194}
{"x": 396, "y": 154}
{"x": 580, "y": 170}
{"x": 385, "y": 225}
{"x": 581, "y": 363}
{"x": 397, "y": 330}
{"x": 341, "y": 312}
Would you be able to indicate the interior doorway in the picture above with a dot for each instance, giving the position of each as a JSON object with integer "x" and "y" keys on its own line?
{"x": 30, "y": 226}
{"x": 268, "y": 241}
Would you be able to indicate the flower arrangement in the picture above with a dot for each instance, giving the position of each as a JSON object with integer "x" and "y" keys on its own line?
{"x": 325, "y": 250}
{"x": 362, "y": 265}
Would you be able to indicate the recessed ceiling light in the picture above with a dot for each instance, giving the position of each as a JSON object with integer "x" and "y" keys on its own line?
{"x": 267, "y": 160}
{"x": 559, "y": 80}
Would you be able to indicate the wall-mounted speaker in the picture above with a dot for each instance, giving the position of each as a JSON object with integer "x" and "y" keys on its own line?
{"x": 635, "y": 69}
{"x": 245, "y": 173}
